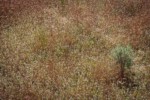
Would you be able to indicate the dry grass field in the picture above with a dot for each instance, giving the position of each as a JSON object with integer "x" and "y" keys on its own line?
{"x": 74, "y": 50}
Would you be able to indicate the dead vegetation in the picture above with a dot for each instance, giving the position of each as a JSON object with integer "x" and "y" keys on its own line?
{"x": 61, "y": 49}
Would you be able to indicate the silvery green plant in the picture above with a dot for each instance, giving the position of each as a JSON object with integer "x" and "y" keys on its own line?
{"x": 123, "y": 56}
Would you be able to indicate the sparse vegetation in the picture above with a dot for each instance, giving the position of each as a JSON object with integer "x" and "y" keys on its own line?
{"x": 61, "y": 49}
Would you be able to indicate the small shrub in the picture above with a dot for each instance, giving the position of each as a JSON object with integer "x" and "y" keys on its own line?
{"x": 124, "y": 57}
